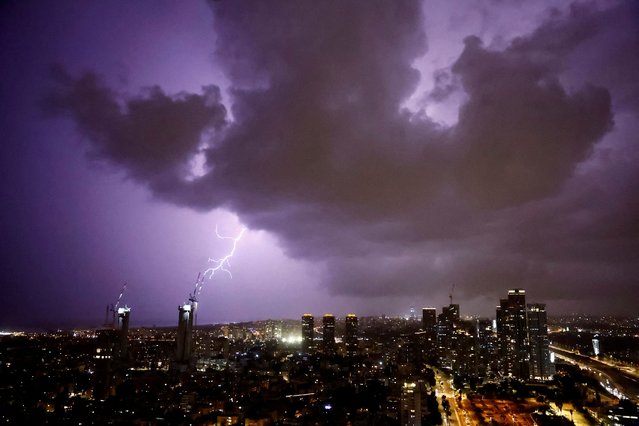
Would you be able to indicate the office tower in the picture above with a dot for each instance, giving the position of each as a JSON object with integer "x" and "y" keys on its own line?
{"x": 184, "y": 340}
{"x": 447, "y": 323}
{"x": 540, "y": 365}
{"x": 427, "y": 338}
{"x": 350, "y": 335}
{"x": 308, "y": 333}
{"x": 464, "y": 350}
{"x": 429, "y": 319}
{"x": 328, "y": 336}
{"x": 487, "y": 347}
{"x": 512, "y": 332}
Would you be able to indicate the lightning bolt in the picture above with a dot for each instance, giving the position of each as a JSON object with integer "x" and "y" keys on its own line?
{"x": 222, "y": 264}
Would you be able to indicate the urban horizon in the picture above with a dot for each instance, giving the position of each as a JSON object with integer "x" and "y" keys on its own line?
{"x": 411, "y": 312}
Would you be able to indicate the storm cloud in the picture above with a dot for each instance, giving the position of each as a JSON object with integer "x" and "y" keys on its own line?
{"x": 532, "y": 186}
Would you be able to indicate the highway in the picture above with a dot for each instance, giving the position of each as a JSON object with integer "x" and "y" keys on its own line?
{"x": 625, "y": 382}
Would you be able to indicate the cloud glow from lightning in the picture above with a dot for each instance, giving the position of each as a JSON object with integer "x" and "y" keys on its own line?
{"x": 222, "y": 264}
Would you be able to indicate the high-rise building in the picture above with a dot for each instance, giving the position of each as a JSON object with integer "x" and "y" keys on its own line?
{"x": 184, "y": 340}
{"x": 447, "y": 323}
{"x": 540, "y": 365}
{"x": 328, "y": 334}
{"x": 122, "y": 326}
{"x": 350, "y": 334}
{"x": 413, "y": 404}
{"x": 429, "y": 319}
{"x": 487, "y": 347}
{"x": 512, "y": 332}
{"x": 111, "y": 353}
{"x": 428, "y": 336}
{"x": 308, "y": 333}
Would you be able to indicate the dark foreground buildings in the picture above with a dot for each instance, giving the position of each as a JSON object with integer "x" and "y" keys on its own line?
{"x": 111, "y": 354}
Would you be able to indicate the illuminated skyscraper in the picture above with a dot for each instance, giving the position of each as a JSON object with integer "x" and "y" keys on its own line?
{"x": 308, "y": 333}
{"x": 540, "y": 365}
{"x": 350, "y": 334}
{"x": 512, "y": 332}
{"x": 447, "y": 323}
{"x": 328, "y": 337}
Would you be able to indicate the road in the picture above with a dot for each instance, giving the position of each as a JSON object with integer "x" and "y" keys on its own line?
{"x": 624, "y": 381}
{"x": 445, "y": 387}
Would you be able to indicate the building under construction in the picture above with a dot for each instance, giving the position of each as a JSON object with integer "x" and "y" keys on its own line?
{"x": 112, "y": 356}
{"x": 185, "y": 345}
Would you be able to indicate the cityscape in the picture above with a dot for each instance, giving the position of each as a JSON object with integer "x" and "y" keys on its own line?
{"x": 396, "y": 212}
{"x": 431, "y": 367}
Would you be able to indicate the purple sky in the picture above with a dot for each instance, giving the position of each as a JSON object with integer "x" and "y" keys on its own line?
{"x": 378, "y": 153}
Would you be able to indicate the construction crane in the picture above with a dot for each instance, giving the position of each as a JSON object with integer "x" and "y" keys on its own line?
{"x": 198, "y": 287}
{"x": 199, "y": 281}
{"x": 113, "y": 308}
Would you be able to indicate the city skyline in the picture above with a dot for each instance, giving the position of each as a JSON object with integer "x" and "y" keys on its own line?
{"x": 380, "y": 158}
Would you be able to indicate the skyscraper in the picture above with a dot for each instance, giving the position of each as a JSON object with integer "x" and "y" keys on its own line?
{"x": 540, "y": 365}
{"x": 350, "y": 334}
{"x": 111, "y": 353}
{"x": 328, "y": 336}
{"x": 429, "y": 319}
{"x": 512, "y": 332}
{"x": 447, "y": 323}
{"x": 122, "y": 326}
{"x": 428, "y": 336}
{"x": 184, "y": 340}
{"x": 308, "y": 333}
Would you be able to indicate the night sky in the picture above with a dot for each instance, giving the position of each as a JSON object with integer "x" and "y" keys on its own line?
{"x": 379, "y": 152}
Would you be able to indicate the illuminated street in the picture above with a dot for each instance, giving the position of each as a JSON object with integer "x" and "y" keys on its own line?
{"x": 611, "y": 376}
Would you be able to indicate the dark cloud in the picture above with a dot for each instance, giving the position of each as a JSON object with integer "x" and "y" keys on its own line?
{"x": 521, "y": 132}
{"x": 152, "y": 135}
{"x": 321, "y": 153}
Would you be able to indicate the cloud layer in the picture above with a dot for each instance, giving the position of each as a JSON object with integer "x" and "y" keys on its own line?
{"x": 531, "y": 186}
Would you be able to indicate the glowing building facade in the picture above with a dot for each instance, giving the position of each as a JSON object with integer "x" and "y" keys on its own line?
{"x": 540, "y": 365}
{"x": 328, "y": 334}
{"x": 350, "y": 334}
{"x": 308, "y": 333}
{"x": 512, "y": 331}
{"x": 447, "y": 324}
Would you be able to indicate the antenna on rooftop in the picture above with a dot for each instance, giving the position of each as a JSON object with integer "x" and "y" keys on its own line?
{"x": 450, "y": 295}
